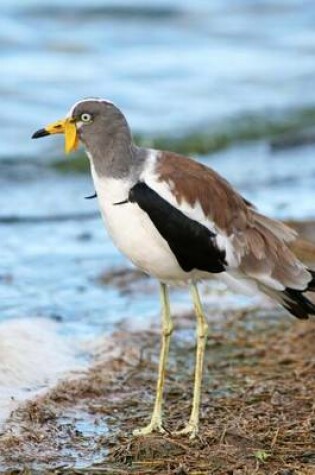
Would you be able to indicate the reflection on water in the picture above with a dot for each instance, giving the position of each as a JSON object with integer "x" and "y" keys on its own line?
{"x": 169, "y": 65}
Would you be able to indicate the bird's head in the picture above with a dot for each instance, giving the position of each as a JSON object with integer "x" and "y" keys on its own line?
{"x": 96, "y": 122}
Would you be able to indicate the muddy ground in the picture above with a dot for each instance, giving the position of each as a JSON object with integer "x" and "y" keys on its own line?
{"x": 257, "y": 412}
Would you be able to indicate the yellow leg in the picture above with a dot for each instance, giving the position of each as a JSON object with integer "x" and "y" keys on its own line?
{"x": 202, "y": 331}
{"x": 167, "y": 329}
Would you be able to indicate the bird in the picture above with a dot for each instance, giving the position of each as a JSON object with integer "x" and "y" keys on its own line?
{"x": 180, "y": 222}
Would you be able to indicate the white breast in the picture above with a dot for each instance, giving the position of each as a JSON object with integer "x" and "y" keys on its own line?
{"x": 133, "y": 232}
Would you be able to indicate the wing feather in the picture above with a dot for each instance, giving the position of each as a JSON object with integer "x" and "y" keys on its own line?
{"x": 253, "y": 243}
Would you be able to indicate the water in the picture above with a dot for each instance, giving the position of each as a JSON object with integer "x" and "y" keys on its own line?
{"x": 280, "y": 184}
{"x": 33, "y": 356}
{"x": 172, "y": 67}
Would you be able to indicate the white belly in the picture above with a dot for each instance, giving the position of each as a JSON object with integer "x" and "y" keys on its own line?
{"x": 133, "y": 232}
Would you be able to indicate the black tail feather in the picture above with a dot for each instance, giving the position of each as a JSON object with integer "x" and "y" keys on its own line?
{"x": 297, "y": 304}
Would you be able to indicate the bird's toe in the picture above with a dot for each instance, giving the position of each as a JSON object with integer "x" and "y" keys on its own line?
{"x": 152, "y": 427}
{"x": 190, "y": 429}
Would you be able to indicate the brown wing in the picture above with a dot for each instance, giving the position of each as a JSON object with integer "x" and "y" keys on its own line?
{"x": 195, "y": 183}
{"x": 259, "y": 243}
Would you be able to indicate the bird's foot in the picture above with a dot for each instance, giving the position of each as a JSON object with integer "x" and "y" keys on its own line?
{"x": 154, "y": 426}
{"x": 191, "y": 429}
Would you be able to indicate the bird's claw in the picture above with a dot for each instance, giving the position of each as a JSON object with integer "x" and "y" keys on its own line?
{"x": 190, "y": 429}
{"x": 154, "y": 426}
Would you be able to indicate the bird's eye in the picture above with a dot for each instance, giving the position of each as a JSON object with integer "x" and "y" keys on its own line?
{"x": 85, "y": 117}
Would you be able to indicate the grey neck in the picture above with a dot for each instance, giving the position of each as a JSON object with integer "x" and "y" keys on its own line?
{"x": 113, "y": 153}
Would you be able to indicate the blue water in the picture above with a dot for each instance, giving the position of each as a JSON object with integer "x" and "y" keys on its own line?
{"x": 171, "y": 66}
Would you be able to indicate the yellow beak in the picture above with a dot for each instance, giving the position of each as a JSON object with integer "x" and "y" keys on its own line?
{"x": 64, "y": 126}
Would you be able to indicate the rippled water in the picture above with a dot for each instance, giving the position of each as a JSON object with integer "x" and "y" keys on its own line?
{"x": 169, "y": 65}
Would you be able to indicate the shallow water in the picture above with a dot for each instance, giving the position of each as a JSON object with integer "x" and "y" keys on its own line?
{"x": 171, "y": 66}
{"x": 33, "y": 355}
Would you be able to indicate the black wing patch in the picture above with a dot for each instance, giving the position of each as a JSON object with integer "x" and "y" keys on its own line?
{"x": 192, "y": 243}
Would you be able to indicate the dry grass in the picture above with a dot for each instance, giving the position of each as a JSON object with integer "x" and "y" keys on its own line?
{"x": 257, "y": 414}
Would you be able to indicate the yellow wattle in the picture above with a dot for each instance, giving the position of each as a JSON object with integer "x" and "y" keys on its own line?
{"x": 71, "y": 136}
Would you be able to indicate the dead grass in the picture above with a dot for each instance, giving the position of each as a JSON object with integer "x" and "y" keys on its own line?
{"x": 257, "y": 413}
